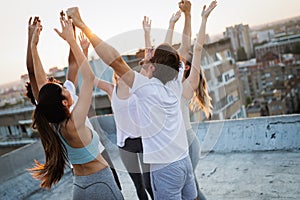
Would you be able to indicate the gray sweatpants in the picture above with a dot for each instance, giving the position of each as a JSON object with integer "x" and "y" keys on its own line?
{"x": 100, "y": 185}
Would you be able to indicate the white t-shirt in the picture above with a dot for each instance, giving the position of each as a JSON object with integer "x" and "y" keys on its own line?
{"x": 71, "y": 88}
{"x": 186, "y": 112}
{"x": 126, "y": 116}
{"x": 161, "y": 124}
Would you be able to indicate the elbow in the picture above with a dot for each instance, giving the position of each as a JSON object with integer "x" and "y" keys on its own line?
{"x": 119, "y": 66}
{"x": 92, "y": 77}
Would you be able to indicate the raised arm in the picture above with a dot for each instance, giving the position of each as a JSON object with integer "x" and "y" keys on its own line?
{"x": 29, "y": 60}
{"x": 148, "y": 46}
{"x": 72, "y": 72}
{"x": 84, "y": 43}
{"x": 106, "y": 52}
{"x": 39, "y": 73}
{"x": 105, "y": 86}
{"x": 147, "y": 30}
{"x": 185, "y": 7}
{"x": 99, "y": 83}
{"x": 170, "y": 31}
{"x": 81, "y": 109}
{"x": 196, "y": 61}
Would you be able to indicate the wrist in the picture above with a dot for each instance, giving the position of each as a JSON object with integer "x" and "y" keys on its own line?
{"x": 71, "y": 41}
{"x": 84, "y": 28}
{"x": 85, "y": 51}
{"x": 187, "y": 14}
{"x": 171, "y": 25}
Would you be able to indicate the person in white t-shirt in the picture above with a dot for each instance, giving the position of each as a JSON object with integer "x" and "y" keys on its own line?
{"x": 160, "y": 120}
{"x": 195, "y": 89}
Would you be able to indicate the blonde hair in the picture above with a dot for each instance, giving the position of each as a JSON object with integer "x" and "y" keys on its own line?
{"x": 201, "y": 99}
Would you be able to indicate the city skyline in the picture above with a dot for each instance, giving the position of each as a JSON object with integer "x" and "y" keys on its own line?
{"x": 115, "y": 24}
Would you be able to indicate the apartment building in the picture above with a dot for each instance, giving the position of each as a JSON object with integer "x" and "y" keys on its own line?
{"x": 221, "y": 73}
{"x": 278, "y": 46}
{"x": 240, "y": 39}
{"x": 271, "y": 84}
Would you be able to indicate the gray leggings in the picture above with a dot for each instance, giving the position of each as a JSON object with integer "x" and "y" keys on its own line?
{"x": 100, "y": 185}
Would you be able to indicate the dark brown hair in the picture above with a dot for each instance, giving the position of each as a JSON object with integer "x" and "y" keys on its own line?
{"x": 29, "y": 93}
{"x": 167, "y": 63}
{"x": 50, "y": 110}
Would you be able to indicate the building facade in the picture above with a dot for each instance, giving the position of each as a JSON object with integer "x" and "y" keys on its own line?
{"x": 221, "y": 74}
{"x": 240, "y": 39}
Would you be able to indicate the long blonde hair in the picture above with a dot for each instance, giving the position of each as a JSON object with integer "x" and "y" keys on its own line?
{"x": 201, "y": 99}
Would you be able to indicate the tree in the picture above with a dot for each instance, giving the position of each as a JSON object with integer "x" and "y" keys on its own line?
{"x": 248, "y": 101}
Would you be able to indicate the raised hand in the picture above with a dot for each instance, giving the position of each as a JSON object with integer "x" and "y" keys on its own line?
{"x": 31, "y": 26}
{"x": 36, "y": 32}
{"x": 175, "y": 17}
{"x": 74, "y": 14}
{"x": 185, "y": 6}
{"x": 67, "y": 29}
{"x": 147, "y": 24}
{"x": 205, "y": 12}
{"x": 84, "y": 42}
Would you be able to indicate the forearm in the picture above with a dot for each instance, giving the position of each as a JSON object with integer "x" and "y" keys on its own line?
{"x": 196, "y": 62}
{"x": 147, "y": 40}
{"x": 201, "y": 36}
{"x": 186, "y": 36}
{"x": 106, "y": 52}
{"x": 73, "y": 68}
{"x": 169, "y": 35}
{"x": 39, "y": 73}
{"x": 30, "y": 70}
{"x": 110, "y": 56}
{"x": 105, "y": 86}
{"x": 82, "y": 63}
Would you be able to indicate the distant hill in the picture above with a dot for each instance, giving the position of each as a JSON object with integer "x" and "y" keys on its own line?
{"x": 276, "y": 25}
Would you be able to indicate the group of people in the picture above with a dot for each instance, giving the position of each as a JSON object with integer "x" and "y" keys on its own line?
{"x": 156, "y": 141}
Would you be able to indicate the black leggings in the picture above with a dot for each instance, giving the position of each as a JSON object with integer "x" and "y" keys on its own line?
{"x": 132, "y": 156}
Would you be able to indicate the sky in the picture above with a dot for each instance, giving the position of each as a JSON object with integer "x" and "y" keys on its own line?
{"x": 120, "y": 24}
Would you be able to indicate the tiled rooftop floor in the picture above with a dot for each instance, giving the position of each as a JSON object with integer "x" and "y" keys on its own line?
{"x": 235, "y": 176}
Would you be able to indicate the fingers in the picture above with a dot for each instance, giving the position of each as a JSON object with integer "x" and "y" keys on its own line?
{"x": 147, "y": 20}
{"x": 58, "y": 32}
{"x": 62, "y": 14}
{"x": 29, "y": 22}
{"x": 81, "y": 36}
{"x": 62, "y": 22}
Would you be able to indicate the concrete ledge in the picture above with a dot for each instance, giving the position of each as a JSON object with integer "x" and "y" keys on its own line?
{"x": 15, "y": 163}
{"x": 254, "y": 134}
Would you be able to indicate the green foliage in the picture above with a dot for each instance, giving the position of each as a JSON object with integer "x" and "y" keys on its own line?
{"x": 248, "y": 101}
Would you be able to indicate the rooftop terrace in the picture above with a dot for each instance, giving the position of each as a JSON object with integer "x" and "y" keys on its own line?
{"x": 256, "y": 158}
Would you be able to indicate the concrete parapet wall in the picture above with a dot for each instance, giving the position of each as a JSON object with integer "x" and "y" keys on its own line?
{"x": 254, "y": 134}
{"x": 251, "y": 134}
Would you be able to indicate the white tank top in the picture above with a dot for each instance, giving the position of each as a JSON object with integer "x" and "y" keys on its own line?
{"x": 125, "y": 115}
